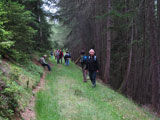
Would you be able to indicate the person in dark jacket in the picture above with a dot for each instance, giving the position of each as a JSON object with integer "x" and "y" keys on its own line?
{"x": 83, "y": 61}
{"x": 66, "y": 58}
{"x": 92, "y": 67}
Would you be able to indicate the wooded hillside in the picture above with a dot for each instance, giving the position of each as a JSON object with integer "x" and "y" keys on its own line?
{"x": 125, "y": 35}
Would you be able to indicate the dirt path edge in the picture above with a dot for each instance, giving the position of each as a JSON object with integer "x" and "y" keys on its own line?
{"x": 29, "y": 113}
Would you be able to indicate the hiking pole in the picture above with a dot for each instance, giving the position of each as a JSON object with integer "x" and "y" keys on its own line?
{"x": 77, "y": 60}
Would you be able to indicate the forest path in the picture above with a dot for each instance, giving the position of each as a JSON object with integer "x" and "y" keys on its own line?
{"x": 66, "y": 97}
{"x": 29, "y": 113}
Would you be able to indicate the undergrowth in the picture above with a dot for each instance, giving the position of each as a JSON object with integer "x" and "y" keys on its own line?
{"x": 16, "y": 84}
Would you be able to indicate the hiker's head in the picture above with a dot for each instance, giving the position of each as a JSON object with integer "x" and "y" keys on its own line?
{"x": 44, "y": 56}
{"x": 82, "y": 52}
{"x": 91, "y": 52}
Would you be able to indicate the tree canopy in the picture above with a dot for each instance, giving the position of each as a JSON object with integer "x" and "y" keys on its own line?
{"x": 23, "y": 28}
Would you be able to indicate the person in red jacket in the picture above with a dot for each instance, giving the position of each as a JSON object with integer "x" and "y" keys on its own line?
{"x": 61, "y": 56}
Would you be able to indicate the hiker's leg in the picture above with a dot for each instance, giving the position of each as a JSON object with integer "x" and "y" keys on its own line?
{"x": 49, "y": 68}
{"x": 43, "y": 65}
{"x": 90, "y": 75}
{"x": 94, "y": 77}
{"x": 67, "y": 62}
{"x": 84, "y": 74}
{"x": 57, "y": 60}
{"x": 61, "y": 60}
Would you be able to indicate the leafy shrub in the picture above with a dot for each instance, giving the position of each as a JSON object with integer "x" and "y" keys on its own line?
{"x": 34, "y": 69}
{"x": 14, "y": 95}
{"x": 10, "y": 94}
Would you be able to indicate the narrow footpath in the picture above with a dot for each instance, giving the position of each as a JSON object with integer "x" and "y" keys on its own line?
{"x": 66, "y": 97}
{"x": 29, "y": 113}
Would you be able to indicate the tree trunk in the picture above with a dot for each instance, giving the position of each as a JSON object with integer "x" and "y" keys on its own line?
{"x": 158, "y": 19}
{"x": 40, "y": 30}
{"x": 154, "y": 55}
{"x": 125, "y": 81}
{"x": 108, "y": 49}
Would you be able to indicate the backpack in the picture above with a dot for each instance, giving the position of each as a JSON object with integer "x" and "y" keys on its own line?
{"x": 83, "y": 59}
{"x": 66, "y": 56}
{"x": 51, "y": 53}
{"x": 95, "y": 58}
{"x": 61, "y": 54}
{"x": 57, "y": 53}
{"x": 40, "y": 60}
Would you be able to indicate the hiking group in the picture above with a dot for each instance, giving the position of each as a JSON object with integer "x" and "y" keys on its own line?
{"x": 59, "y": 57}
{"x": 88, "y": 63}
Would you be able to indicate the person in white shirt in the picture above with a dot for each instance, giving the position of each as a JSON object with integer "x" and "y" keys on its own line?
{"x": 43, "y": 62}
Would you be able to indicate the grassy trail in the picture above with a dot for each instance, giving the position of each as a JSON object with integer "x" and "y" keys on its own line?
{"x": 66, "y": 97}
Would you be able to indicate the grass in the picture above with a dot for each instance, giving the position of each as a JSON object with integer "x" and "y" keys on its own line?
{"x": 66, "y": 97}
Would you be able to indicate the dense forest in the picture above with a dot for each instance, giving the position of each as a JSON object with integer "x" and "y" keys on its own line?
{"x": 24, "y": 33}
{"x": 124, "y": 34}
{"x": 23, "y": 28}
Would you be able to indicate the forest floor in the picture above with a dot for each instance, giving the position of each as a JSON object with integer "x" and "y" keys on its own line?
{"x": 66, "y": 97}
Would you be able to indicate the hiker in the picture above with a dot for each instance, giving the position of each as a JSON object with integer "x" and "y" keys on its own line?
{"x": 92, "y": 67}
{"x": 83, "y": 61}
{"x": 43, "y": 62}
{"x": 66, "y": 58}
{"x": 61, "y": 56}
{"x": 51, "y": 53}
{"x": 57, "y": 56}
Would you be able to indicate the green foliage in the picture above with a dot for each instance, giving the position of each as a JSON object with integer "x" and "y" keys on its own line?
{"x": 23, "y": 28}
{"x": 0, "y": 60}
{"x": 14, "y": 93}
{"x": 18, "y": 24}
{"x": 6, "y": 45}
{"x": 9, "y": 97}
{"x": 5, "y": 35}
{"x": 34, "y": 69}
{"x": 60, "y": 32}
{"x": 14, "y": 23}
